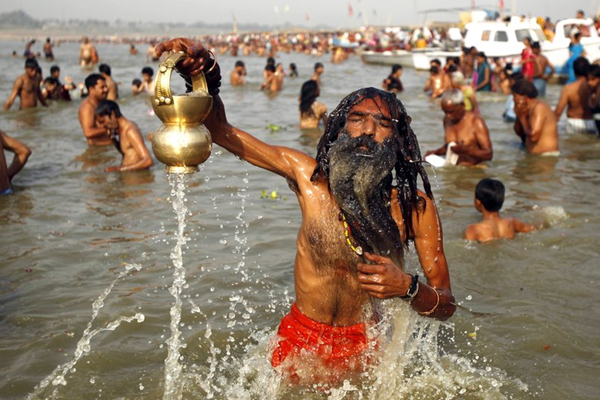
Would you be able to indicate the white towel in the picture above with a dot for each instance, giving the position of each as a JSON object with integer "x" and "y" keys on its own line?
{"x": 439, "y": 161}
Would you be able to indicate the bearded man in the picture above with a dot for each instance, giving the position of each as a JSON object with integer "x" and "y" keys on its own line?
{"x": 360, "y": 208}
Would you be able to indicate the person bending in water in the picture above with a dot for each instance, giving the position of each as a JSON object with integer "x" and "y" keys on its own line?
{"x": 465, "y": 130}
{"x": 535, "y": 123}
{"x": 311, "y": 111}
{"x": 88, "y": 56}
{"x": 238, "y": 75}
{"x": 98, "y": 90}
{"x": 126, "y": 137}
{"x": 27, "y": 88}
{"x": 575, "y": 97}
{"x": 360, "y": 208}
{"x": 8, "y": 172}
{"x": 489, "y": 197}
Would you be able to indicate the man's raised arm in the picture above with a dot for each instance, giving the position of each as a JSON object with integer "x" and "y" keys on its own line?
{"x": 283, "y": 161}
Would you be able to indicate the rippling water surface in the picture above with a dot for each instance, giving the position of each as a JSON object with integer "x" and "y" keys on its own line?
{"x": 528, "y": 321}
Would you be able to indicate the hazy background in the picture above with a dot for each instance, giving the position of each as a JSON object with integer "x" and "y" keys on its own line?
{"x": 334, "y": 13}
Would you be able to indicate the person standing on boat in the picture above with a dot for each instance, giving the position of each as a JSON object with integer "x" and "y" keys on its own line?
{"x": 576, "y": 50}
{"x": 484, "y": 74}
{"x": 527, "y": 60}
{"x": 360, "y": 207}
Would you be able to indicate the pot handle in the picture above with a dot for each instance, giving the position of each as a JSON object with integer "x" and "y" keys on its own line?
{"x": 162, "y": 89}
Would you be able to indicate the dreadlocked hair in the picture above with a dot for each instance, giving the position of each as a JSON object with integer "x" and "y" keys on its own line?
{"x": 409, "y": 164}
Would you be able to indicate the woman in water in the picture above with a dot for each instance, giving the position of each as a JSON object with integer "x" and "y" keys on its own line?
{"x": 311, "y": 111}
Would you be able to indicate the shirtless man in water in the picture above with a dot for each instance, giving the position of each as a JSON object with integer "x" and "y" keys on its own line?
{"x": 98, "y": 90}
{"x": 238, "y": 75}
{"x": 113, "y": 87}
{"x": 356, "y": 223}
{"x": 27, "y": 88}
{"x": 126, "y": 136}
{"x": 437, "y": 82}
{"x": 8, "y": 172}
{"x": 575, "y": 97}
{"x": 88, "y": 56}
{"x": 466, "y": 130}
{"x": 536, "y": 123}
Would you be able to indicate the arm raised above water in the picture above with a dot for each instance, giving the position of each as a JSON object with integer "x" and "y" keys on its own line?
{"x": 284, "y": 161}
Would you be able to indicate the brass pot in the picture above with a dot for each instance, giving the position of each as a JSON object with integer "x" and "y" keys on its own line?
{"x": 182, "y": 143}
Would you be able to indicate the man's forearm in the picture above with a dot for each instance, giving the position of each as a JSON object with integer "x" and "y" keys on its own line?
{"x": 18, "y": 163}
{"x": 93, "y": 133}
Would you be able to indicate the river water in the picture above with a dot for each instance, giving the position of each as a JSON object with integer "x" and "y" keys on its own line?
{"x": 528, "y": 321}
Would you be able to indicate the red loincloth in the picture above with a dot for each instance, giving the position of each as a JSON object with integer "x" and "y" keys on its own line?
{"x": 337, "y": 348}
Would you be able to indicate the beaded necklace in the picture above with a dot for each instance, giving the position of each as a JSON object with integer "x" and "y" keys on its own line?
{"x": 358, "y": 249}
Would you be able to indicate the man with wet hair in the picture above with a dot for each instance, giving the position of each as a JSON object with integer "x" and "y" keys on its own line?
{"x": 360, "y": 209}
{"x": 98, "y": 90}
{"x": 126, "y": 137}
{"x": 113, "y": 88}
{"x": 27, "y": 88}
{"x": 575, "y": 97}
{"x": 464, "y": 131}
{"x": 535, "y": 123}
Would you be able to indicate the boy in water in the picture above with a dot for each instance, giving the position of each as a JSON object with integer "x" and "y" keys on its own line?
{"x": 489, "y": 197}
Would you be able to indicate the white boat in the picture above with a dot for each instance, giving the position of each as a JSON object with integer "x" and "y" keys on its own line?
{"x": 389, "y": 57}
{"x": 557, "y": 51}
{"x": 505, "y": 40}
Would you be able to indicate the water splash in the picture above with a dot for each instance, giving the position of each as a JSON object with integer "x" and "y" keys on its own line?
{"x": 57, "y": 377}
{"x": 173, "y": 384}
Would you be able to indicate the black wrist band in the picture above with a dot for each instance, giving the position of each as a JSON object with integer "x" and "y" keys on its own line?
{"x": 413, "y": 289}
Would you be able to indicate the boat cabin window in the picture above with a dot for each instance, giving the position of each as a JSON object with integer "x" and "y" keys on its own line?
{"x": 522, "y": 34}
{"x": 485, "y": 36}
{"x": 571, "y": 29}
{"x": 501, "y": 36}
{"x": 541, "y": 37}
